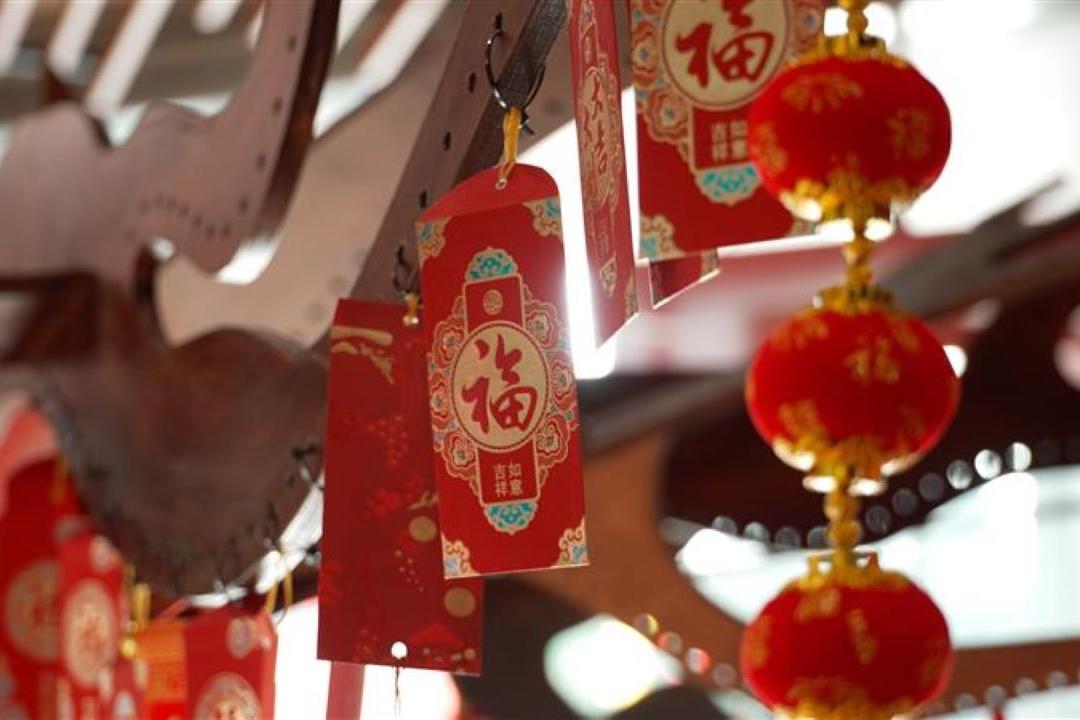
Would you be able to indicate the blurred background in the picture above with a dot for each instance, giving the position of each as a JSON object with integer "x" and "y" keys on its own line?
{"x": 999, "y": 556}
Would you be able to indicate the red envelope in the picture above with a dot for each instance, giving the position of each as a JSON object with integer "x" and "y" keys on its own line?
{"x": 92, "y": 617}
{"x": 41, "y": 508}
{"x": 697, "y": 66}
{"x": 503, "y": 397}
{"x": 381, "y": 580}
{"x": 230, "y": 657}
{"x": 594, "y": 62}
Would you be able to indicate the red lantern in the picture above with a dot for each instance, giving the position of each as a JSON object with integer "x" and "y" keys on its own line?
{"x": 853, "y": 643}
{"x": 856, "y": 136}
{"x": 856, "y": 389}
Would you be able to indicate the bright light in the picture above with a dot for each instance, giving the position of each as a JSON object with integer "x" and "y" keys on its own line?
{"x": 601, "y": 666}
{"x": 936, "y": 22}
{"x": 880, "y": 18}
{"x": 957, "y": 358}
{"x": 212, "y": 16}
{"x": 1010, "y": 498}
{"x": 709, "y": 552}
{"x": 425, "y": 695}
{"x": 558, "y": 154}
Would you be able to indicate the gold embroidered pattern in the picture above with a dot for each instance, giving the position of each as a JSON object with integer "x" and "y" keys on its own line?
{"x": 657, "y": 237}
{"x": 834, "y": 698}
{"x": 797, "y": 333}
{"x": 770, "y": 157}
{"x": 873, "y": 361}
{"x": 546, "y": 216}
{"x": 757, "y": 641}
{"x": 820, "y": 91}
{"x": 866, "y": 647}
{"x": 572, "y": 547}
{"x": 821, "y": 603}
{"x": 909, "y": 133}
{"x": 430, "y": 238}
{"x": 344, "y": 340}
{"x": 456, "y": 559}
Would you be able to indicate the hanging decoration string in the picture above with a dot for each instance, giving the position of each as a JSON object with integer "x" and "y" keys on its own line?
{"x": 511, "y": 127}
{"x": 138, "y": 599}
{"x": 286, "y": 586}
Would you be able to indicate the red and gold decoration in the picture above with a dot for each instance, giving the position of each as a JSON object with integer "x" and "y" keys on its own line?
{"x": 503, "y": 396}
{"x": 849, "y": 132}
{"x": 92, "y": 615}
{"x": 382, "y": 596}
{"x": 42, "y": 509}
{"x": 849, "y": 390}
{"x": 594, "y": 61}
{"x": 230, "y": 655}
{"x": 697, "y": 66}
{"x": 851, "y": 386}
{"x": 850, "y": 642}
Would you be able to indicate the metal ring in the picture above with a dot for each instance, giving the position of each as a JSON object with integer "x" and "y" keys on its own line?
{"x": 497, "y": 94}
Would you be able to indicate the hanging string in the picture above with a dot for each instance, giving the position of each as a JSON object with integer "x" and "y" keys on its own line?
{"x": 286, "y": 585}
{"x": 397, "y": 691}
{"x": 857, "y": 254}
{"x": 511, "y": 131}
{"x": 412, "y": 310}
{"x": 138, "y": 599}
{"x": 856, "y": 20}
{"x": 842, "y": 509}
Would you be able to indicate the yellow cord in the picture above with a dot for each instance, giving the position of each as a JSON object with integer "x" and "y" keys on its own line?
{"x": 511, "y": 132}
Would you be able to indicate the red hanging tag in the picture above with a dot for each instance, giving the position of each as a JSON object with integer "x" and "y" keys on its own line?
{"x": 382, "y": 596}
{"x": 230, "y": 657}
{"x": 92, "y": 616}
{"x": 503, "y": 396}
{"x": 697, "y": 66}
{"x": 668, "y": 278}
{"x": 594, "y": 58}
{"x": 161, "y": 648}
{"x": 41, "y": 506}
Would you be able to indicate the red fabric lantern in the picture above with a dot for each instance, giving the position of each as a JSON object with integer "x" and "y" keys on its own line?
{"x": 855, "y": 136}
{"x": 853, "y": 643}
{"x": 862, "y": 390}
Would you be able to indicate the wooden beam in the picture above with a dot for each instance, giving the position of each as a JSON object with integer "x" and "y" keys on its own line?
{"x": 461, "y": 133}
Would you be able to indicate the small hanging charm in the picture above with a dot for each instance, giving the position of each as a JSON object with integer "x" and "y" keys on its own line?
{"x": 503, "y": 396}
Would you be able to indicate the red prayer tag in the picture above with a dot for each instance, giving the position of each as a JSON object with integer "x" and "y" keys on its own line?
{"x": 161, "y": 648}
{"x": 230, "y": 657}
{"x": 41, "y": 507}
{"x": 697, "y": 66}
{"x": 381, "y": 580}
{"x": 91, "y": 619}
{"x": 503, "y": 397}
{"x": 668, "y": 278}
{"x": 594, "y": 59}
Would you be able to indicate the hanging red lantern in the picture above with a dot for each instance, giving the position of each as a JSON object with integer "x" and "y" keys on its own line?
{"x": 851, "y": 386}
{"x": 849, "y": 132}
{"x": 849, "y": 136}
{"x": 852, "y": 643}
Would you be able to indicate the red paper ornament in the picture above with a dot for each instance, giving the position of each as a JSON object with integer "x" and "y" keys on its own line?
{"x": 856, "y": 136}
{"x": 855, "y": 642}
{"x": 859, "y": 389}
